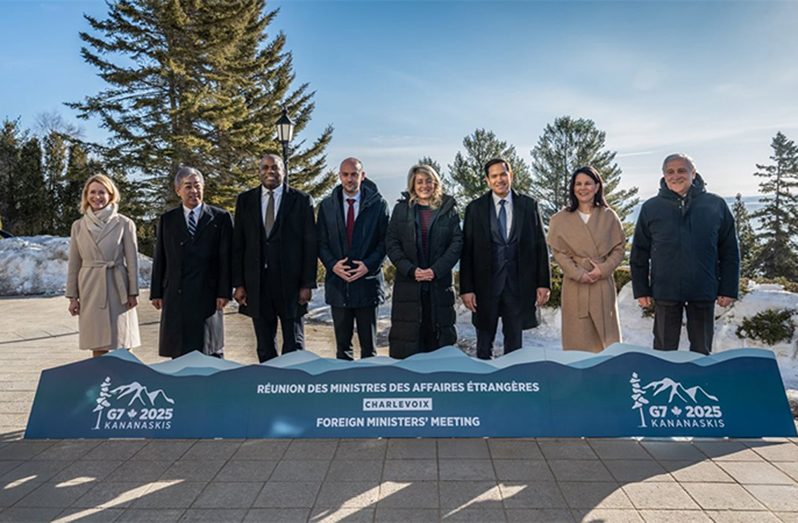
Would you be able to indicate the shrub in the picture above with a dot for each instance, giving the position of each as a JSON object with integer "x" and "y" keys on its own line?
{"x": 321, "y": 272}
{"x": 389, "y": 272}
{"x": 622, "y": 276}
{"x": 555, "y": 299}
{"x": 745, "y": 283}
{"x": 769, "y": 326}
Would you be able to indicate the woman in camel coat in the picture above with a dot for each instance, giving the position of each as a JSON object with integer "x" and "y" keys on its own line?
{"x": 587, "y": 242}
{"x": 102, "y": 274}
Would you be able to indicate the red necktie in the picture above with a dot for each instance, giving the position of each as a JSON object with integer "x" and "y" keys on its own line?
{"x": 350, "y": 221}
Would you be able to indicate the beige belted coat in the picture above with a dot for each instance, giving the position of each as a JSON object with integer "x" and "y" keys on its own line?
{"x": 589, "y": 311}
{"x": 102, "y": 274}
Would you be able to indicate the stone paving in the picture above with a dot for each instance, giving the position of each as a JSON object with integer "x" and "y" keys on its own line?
{"x": 408, "y": 480}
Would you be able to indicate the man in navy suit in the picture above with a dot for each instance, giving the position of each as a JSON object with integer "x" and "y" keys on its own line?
{"x": 504, "y": 268}
{"x": 191, "y": 271}
{"x": 274, "y": 258}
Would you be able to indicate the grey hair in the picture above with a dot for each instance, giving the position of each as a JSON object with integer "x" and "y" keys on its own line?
{"x": 678, "y": 156}
{"x": 184, "y": 171}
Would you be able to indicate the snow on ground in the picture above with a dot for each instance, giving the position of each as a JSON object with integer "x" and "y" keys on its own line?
{"x": 37, "y": 265}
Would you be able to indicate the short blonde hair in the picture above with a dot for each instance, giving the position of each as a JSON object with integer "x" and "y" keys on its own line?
{"x": 106, "y": 182}
{"x": 437, "y": 192}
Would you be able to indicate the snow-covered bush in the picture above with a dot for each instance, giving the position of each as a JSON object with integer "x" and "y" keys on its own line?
{"x": 770, "y": 326}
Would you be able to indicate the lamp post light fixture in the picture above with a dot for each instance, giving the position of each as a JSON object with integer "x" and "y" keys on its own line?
{"x": 285, "y": 133}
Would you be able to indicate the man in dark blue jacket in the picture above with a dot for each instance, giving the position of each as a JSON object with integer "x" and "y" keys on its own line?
{"x": 351, "y": 229}
{"x": 684, "y": 257}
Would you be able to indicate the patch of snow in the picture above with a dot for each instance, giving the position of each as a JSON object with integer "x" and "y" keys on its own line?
{"x": 37, "y": 265}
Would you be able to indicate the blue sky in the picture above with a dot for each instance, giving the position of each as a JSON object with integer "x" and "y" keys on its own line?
{"x": 400, "y": 80}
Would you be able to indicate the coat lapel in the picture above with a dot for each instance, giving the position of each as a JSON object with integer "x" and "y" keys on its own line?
{"x": 340, "y": 222}
{"x": 592, "y": 228}
{"x": 110, "y": 226}
{"x": 86, "y": 238}
{"x": 485, "y": 208}
{"x": 206, "y": 217}
{"x": 177, "y": 223}
{"x": 519, "y": 214}
{"x": 286, "y": 203}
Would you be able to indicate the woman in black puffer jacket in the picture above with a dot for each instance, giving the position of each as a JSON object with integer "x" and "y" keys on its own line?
{"x": 424, "y": 241}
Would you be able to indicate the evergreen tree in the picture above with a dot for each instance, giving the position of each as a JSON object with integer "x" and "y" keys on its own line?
{"x": 566, "y": 145}
{"x": 745, "y": 236}
{"x": 200, "y": 84}
{"x": 56, "y": 136}
{"x": 467, "y": 171}
{"x": 779, "y": 217}
{"x": 54, "y": 147}
{"x": 11, "y": 138}
{"x": 32, "y": 199}
{"x": 77, "y": 172}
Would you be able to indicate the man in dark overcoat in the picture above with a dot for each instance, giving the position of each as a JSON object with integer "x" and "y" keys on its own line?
{"x": 274, "y": 258}
{"x": 191, "y": 280}
{"x": 351, "y": 233}
{"x": 504, "y": 268}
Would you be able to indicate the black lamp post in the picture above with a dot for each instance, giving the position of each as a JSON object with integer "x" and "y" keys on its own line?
{"x": 285, "y": 133}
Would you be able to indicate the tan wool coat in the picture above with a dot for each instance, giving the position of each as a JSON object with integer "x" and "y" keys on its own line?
{"x": 102, "y": 275}
{"x": 589, "y": 311}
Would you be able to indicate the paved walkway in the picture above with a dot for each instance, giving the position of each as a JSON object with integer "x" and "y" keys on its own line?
{"x": 480, "y": 480}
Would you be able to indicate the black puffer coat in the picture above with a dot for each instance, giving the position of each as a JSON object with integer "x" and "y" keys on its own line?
{"x": 445, "y": 240}
{"x": 685, "y": 248}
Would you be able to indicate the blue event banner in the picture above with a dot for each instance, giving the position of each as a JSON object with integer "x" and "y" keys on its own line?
{"x": 533, "y": 392}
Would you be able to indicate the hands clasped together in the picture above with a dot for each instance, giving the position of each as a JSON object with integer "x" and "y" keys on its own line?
{"x": 350, "y": 270}
{"x": 591, "y": 276}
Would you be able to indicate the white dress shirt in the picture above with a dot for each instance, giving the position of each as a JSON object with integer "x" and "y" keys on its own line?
{"x": 197, "y": 213}
{"x": 508, "y": 209}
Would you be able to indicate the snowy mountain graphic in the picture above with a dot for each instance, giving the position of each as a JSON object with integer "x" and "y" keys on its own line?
{"x": 140, "y": 392}
{"x": 677, "y": 390}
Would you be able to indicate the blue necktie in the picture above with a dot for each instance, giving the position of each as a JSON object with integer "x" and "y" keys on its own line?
{"x": 192, "y": 223}
{"x": 503, "y": 219}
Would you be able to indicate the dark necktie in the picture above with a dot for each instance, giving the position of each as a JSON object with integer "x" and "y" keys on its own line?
{"x": 503, "y": 219}
{"x": 350, "y": 221}
{"x": 269, "y": 214}
{"x": 192, "y": 223}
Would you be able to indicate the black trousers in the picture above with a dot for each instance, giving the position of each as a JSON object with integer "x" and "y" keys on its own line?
{"x": 506, "y": 306}
{"x": 266, "y": 335}
{"x": 293, "y": 328}
{"x": 668, "y": 324}
{"x": 344, "y": 319}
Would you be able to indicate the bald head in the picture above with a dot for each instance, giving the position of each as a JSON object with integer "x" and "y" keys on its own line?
{"x": 351, "y": 174}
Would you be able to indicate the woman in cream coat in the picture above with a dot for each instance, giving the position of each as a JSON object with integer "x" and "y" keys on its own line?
{"x": 102, "y": 274}
{"x": 587, "y": 242}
